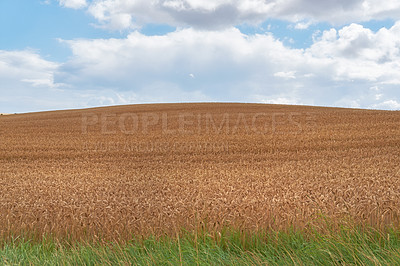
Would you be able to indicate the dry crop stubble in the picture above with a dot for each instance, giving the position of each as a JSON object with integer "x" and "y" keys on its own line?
{"x": 98, "y": 178}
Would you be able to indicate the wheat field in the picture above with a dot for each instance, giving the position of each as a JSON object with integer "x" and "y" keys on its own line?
{"x": 115, "y": 172}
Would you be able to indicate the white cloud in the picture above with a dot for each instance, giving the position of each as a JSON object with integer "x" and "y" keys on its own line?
{"x": 25, "y": 66}
{"x": 360, "y": 54}
{"x": 389, "y": 104}
{"x": 352, "y": 67}
{"x": 286, "y": 75}
{"x": 214, "y": 14}
{"x": 27, "y": 84}
{"x": 302, "y": 25}
{"x": 338, "y": 69}
{"x": 40, "y": 82}
{"x": 280, "y": 100}
{"x": 221, "y": 60}
{"x": 24, "y": 75}
{"x": 75, "y": 4}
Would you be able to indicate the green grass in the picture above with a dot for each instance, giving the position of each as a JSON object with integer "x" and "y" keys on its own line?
{"x": 356, "y": 246}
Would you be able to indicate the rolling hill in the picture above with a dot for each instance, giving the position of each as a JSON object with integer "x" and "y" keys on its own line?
{"x": 149, "y": 169}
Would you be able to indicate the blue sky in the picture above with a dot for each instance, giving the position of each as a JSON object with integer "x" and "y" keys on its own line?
{"x": 36, "y": 25}
{"x": 77, "y": 54}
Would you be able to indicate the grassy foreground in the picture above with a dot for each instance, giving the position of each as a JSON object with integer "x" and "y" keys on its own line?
{"x": 361, "y": 247}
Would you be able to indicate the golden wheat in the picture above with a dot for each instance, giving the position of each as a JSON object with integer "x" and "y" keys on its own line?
{"x": 117, "y": 171}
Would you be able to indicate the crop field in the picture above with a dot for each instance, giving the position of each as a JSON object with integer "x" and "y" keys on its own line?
{"x": 114, "y": 172}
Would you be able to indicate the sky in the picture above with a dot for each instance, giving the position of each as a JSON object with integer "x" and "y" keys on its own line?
{"x": 67, "y": 54}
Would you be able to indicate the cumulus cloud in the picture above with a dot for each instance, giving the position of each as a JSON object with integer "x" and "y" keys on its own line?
{"x": 224, "y": 63}
{"x": 75, "y": 4}
{"x": 214, "y": 14}
{"x": 25, "y": 66}
{"x": 361, "y": 54}
{"x": 302, "y": 25}
{"x": 27, "y": 84}
{"x": 286, "y": 75}
{"x": 351, "y": 67}
{"x": 200, "y": 14}
{"x": 23, "y": 75}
